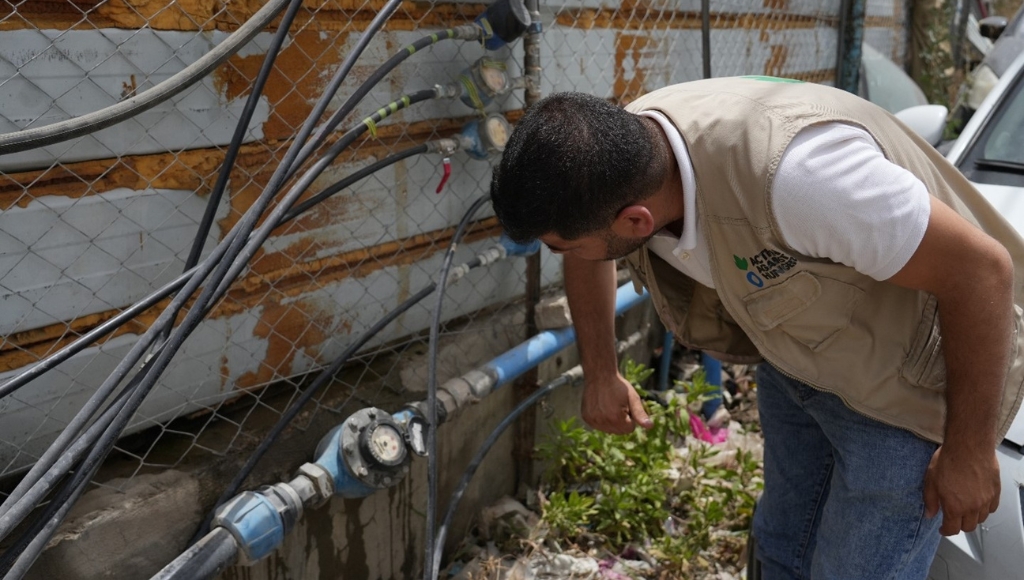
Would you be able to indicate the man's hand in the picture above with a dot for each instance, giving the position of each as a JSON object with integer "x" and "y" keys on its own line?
{"x": 613, "y": 406}
{"x": 964, "y": 485}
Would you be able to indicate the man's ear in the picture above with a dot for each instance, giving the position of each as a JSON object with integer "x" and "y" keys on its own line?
{"x": 634, "y": 221}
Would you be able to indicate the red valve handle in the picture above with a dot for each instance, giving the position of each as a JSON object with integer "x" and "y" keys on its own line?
{"x": 446, "y": 175}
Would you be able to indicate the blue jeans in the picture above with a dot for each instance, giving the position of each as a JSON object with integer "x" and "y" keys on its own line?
{"x": 843, "y": 494}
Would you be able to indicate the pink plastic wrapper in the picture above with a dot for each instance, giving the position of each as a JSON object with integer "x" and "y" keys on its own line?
{"x": 704, "y": 433}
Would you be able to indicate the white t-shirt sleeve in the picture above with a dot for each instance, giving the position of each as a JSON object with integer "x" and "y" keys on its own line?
{"x": 836, "y": 196}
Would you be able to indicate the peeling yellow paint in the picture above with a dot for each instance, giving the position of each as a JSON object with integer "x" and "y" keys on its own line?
{"x": 650, "y": 19}
{"x": 630, "y": 47}
{"x": 776, "y": 61}
{"x": 186, "y": 15}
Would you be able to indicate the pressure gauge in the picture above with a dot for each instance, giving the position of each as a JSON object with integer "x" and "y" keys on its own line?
{"x": 496, "y": 132}
{"x": 382, "y": 444}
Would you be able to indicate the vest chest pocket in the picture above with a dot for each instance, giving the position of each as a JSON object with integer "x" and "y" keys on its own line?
{"x": 811, "y": 309}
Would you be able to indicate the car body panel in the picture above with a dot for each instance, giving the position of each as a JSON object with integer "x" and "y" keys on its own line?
{"x": 995, "y": 550}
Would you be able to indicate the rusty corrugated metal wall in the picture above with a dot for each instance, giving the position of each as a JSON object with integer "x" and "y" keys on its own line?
{"x": 90, "y": 226}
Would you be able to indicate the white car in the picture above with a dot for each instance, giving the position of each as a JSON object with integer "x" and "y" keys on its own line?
{"x": 990, "y": 152}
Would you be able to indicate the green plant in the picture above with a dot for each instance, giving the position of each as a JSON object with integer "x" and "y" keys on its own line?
{"x": 567, "y": 514}
{"x": 650, "y": 487}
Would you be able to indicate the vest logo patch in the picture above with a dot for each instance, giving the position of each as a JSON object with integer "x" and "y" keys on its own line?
{"x": 769, "y": 265}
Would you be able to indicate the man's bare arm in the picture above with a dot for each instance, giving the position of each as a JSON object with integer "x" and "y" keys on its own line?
{"x": 609, "y": 402}
{"x": 971, "y": 276}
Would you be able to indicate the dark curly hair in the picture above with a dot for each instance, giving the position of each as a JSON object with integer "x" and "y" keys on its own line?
{"x": 572, "y": 163}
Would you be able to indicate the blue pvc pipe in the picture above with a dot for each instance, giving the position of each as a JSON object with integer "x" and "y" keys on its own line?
{"x": 713, "y": 376}
{"x": 544, "y": 345}
{"x": 665, "y": 363}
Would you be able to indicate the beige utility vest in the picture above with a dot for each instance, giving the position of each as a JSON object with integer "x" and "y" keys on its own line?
{"x": 874, "y": 344}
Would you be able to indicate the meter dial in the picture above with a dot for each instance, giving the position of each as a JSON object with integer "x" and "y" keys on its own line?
{"x": 382, "y": 444}
{"x": 496, "y": 131}
{"x": 493, "y": 78}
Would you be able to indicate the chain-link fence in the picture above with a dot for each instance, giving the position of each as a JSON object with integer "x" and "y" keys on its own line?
{"x": 93, "y": 225}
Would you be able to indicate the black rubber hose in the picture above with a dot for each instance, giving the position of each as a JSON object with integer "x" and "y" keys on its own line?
{"x": 205, "y": 559}
{"x": 350, "y": 179}
{"x": 19, "y": 557}
{"x": 378, "y": 75}
{"x": 322, "y": 379}
{"x": 236, "y": 139}
{"x": 481, "y": 453}
{"x": 81, "y": 343}
{"x": 69, "y": 129}
{"x": 435, "y": 330}
{"x": 24, "y": 499}
{"x": 32, "y": 542}
{"x": 568, "y": 377}
{"x": 263, "y": 232}
{"x": 284, "y": 170}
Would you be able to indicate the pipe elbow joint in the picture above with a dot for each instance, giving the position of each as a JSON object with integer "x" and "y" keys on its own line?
{"x": 513, "y": 248}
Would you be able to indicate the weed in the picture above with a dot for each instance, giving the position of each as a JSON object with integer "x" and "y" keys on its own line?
{"x": 682, "y": 499}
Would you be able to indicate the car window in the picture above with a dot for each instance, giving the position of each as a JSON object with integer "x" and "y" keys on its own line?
{"x": 1006, "y": 140}
{"x": 997, "y": 154}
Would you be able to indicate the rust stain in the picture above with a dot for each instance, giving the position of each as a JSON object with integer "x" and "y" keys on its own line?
{"x": 194, "y": 15}
{"x": 160, "y": 15}
{"x": 28, "y": 347}
{"x": 24, "y": 348}
{"x": 651, "y": 19}
{"x": 629, "y": 47}
{"x": 197, "y": 169}
{"x": 283, "y": 274}
{"x": 777, "y": 4}
{"x": 288, "y": 328}
{"x": 301, "y": 71}
{"x": 180, "y": 170}
{"x": 390, "y": 138}
{"x": 776, "y": 61}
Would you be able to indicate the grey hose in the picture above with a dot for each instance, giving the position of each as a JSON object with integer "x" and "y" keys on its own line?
{"x": 92, "y": 122}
